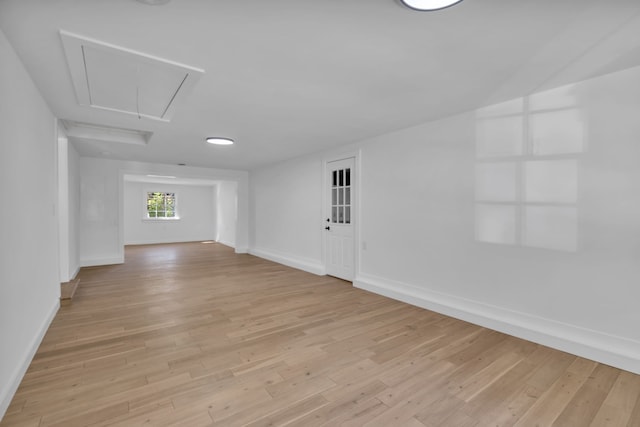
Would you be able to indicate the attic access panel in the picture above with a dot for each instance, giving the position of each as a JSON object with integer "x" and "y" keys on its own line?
{"x": 118, "y": 79}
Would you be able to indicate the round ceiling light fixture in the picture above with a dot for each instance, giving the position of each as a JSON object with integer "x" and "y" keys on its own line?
{"x": 429, "y": 5}
{"x": 218, "y": 140}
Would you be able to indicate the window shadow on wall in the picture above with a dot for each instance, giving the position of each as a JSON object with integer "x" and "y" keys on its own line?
{"x": 527, "y": 157}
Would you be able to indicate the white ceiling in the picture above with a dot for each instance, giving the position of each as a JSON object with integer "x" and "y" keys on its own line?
{"x": 167, "y": 179}
{"x": 118, "y": 79}
{"x": 288, "y": 77}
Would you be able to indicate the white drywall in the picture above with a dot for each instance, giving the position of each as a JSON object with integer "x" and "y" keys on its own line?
{"x": 543, "y": 246}
{"x": 287, "y": 213}
{"x": 195, "y": 206}
{"x": 101, "y": 203}
{"x": 73, "y": 164}
{"x": 227, "y": 210}
{"x": 29, "y": 270}
{"x": 68, "y": 208}
{"x": 63, "y": 205}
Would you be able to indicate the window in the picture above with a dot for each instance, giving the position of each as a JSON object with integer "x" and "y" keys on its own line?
{"x": 341, "y": 196}
{"x": 161, "y": 205}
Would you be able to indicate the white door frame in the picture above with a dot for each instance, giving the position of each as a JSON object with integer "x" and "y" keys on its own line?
{"x": 355, "y": 208}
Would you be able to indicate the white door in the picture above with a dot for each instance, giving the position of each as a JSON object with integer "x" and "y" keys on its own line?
{"x": 340, "y": 215}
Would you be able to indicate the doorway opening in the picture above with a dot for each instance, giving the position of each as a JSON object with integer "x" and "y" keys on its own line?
{"x": 340, "y": 214}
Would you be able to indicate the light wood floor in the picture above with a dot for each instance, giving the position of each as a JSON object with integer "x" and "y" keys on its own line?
{"x": 193, "y": 334}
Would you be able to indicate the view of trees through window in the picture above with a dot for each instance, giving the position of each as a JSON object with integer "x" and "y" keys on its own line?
{"x": 161, "y": 205}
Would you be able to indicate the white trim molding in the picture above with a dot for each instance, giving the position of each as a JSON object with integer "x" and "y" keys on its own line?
{"x": 356, "y": 216}
{"x": 609, "y": 349}
{"x": 9, "y": 390}
{"x": 225, "y": 243}
{"x": 75, "y": 273}
{"x": 305, "y": 264}
{"x": 94, "y": 262}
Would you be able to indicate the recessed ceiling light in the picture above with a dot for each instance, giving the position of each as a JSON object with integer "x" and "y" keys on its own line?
{"x": 217, "y": 140}
{"x": 426, "y": 5}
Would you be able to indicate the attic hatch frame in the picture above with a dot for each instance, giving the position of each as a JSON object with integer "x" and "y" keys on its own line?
{"x": 184, "y": 76}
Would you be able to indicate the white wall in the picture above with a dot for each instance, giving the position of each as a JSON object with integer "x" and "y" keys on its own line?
{"x": 543, "y": 245}
{"x": 29, "y": 286}
{"x": 73, "y": 164}
{"x": 227, "y": 211}
{"x": 196, "y": 210}
{"x": 287, "y": 213}
{"x": 102, "y": 215}
{"x": 100, "y": 219}
{"x": 63, "y": 205}
{"x": 68, "y": 208}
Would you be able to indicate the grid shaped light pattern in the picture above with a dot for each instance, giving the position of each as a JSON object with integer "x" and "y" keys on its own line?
{"x": 429, "y": 4}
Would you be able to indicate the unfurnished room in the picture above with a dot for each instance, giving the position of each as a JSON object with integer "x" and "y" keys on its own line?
{"x": 381, "y": 213}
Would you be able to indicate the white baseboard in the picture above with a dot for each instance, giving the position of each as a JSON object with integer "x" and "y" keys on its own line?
{"x": 9, "y": 390}
{"x": 93, "y": 262}
{"x": 75, "y": 273}
{"x": 609, "y": 349}
{"x": 305, "y": 264}
{"x": 226, "y": 243}
{"x": 163, "y": 241}
{"x": 232, "y": 245}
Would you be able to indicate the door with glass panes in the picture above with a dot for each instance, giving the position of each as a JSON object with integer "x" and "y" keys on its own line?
{"x": 340, "y": 215}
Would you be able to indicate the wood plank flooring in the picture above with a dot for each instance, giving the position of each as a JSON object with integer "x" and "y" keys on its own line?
{"x": 193, "y": 334}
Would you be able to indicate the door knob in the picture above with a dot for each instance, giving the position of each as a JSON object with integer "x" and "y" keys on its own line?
{"x": 327, "y": 228}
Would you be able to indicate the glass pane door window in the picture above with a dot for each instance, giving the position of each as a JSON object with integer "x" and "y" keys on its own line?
{"x": 341, "y": 196}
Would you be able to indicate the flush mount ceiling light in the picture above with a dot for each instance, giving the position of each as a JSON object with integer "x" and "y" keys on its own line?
{"x": 428, "y": 5}
{"x": 217, "y": 140}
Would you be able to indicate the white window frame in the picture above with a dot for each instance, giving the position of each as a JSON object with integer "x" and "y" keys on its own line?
{"x": 145, "y": 212}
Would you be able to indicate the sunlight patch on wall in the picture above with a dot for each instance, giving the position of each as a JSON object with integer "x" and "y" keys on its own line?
{"x": 528, "y": 153}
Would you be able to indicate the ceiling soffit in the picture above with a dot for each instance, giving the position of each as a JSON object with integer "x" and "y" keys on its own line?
{"x": 88, "y": 132}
